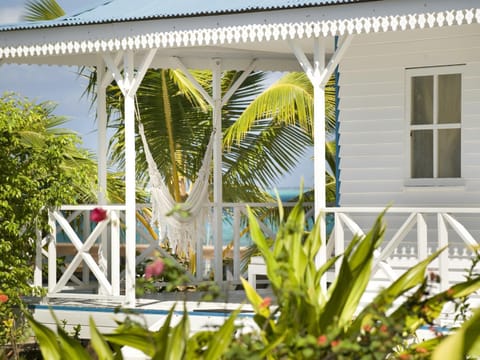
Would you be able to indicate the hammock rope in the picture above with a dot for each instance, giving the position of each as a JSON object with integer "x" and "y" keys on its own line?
{"x": 182, "y": 224}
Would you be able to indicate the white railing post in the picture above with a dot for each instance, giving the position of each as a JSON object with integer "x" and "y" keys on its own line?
{"x": 115, "y": 252}
{"x": 37, "y": 274}
{"x": 86, "y": 228}
{"x": 236, "y": 243}
{"x": 339, "y": 241}
{"x": 422, "y": 239}
{"x": 443, "y": 257}
{"x": 52, "y": 253}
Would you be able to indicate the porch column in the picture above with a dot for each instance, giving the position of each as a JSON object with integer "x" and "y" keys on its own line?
{"x": 217, "y": 170}
{"x": 314, "y": 72}
{"x": 216, "y": 101}
{"x": 102, "y": 133}
{"x": 128, "y": 84}
{"x": 319, "y": 74}
{"x": 104, "y": 248}
{"x": 319, "y": 148}
{"x": 130, "y": 184}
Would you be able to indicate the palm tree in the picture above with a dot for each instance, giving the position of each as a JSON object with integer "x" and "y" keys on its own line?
{"x": 258, "y": 147}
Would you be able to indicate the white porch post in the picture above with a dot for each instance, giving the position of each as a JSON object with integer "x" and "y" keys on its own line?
{"x": 103, "y": 250}
{"x": 217, "y": 170}
{"x": 130, "y": 185}
{"x": 319, "y": 148}
{"x": 102, "y": 132}
{"x": 314, "y": 72}
{"x": 318, "y": 74}
{"x": 216, "y": 101}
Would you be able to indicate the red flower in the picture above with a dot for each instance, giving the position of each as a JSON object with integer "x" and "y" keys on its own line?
{"x": 154, "y": 269}
{"x": 404, "y": 356}
{"x": 450, "y": 292}
{"x": 421, "y": 350}
{"x": 322, "y": 340}
{"x": 367, "y": 327}
{"x": 98, "y": 214}
{"x": 3, "y": 298}
{"x": 335, "y": 343}
{"x": 265, "y": 303}
{"x": 384, "y": 328}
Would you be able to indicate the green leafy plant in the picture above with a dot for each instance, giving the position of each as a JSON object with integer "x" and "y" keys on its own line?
{"x": 309, "y": 322}
{"x": 302, "y": 320}
{"x": 39, "y": 166}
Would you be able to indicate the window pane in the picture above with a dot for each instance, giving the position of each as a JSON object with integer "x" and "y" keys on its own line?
{"x": 449, "y": 160}
{"x": 449, "y": 98}
{"x": 422, "y": 100}
{"x": 422, "y": 154}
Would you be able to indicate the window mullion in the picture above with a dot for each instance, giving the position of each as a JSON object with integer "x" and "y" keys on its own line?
{"x": 435, "y": 128}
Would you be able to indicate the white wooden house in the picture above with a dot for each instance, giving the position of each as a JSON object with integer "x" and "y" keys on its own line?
{"x": 408, "y": 109}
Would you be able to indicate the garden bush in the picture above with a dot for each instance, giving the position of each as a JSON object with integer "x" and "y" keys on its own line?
{"x": 38, "y": 171}
{"x": 302, "y": 320}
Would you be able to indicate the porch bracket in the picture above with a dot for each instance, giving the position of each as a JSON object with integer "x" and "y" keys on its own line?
{"x": 115, "y": 63}
{"x": 335, "y": 60}
{"x": 115, "y": 72}
{"x": 238, "y": 82}
{"x": 194, "y": 81}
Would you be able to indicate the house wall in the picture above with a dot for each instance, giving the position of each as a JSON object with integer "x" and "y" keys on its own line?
{"x": 373, "y": 127}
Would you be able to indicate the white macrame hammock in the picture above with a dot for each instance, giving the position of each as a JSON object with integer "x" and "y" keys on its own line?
{"x": 181, "y": 231}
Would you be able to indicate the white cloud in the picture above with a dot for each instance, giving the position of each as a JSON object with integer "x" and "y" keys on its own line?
{"x": 10, "y": 15}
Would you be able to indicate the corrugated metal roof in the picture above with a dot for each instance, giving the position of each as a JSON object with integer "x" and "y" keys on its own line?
{"x": 127, "y": 10}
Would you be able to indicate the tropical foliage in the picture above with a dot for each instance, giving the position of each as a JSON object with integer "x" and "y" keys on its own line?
{"x": 41, "y": 166}
{"x": 302, "y": 320}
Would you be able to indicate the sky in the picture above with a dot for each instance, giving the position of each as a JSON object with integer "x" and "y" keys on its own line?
{"x": 63, "y": 86}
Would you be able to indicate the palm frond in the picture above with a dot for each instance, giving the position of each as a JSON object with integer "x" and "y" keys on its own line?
{"x": 39, "y": 10}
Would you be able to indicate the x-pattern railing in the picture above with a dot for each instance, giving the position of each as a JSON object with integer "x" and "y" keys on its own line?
{"x": 446, "y": 219}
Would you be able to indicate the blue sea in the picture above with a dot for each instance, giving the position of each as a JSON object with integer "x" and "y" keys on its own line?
{"x": 286, "y": 194}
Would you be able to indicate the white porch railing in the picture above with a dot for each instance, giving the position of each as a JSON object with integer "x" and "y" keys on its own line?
{"x": 413, "y": 234}
{"x": 93, "y": 269}
{"x": 94, "y": 247}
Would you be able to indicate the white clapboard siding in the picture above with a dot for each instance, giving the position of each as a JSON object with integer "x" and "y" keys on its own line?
{"x": 373, "y": 131}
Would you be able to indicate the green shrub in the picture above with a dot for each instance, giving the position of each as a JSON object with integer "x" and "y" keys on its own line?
{"x": 303, "y": 321}
{"x": 37, "y": 171}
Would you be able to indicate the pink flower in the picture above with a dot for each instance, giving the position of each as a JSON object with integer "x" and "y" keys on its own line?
{"x": 3, "y": 298}
{"x": 265, "y": 303}
{"x": 335, "y": 343}
{"x": 422, "y": 350}
{"x": 98, "y": 214}
{"x": 322, "y": 340}
{"x": 154, "y": 269}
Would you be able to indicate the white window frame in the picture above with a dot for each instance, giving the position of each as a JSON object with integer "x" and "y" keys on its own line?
{"x": 435, "y": 71}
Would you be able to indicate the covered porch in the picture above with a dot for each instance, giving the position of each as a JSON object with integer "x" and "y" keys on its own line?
{"x": 104, "y": 256}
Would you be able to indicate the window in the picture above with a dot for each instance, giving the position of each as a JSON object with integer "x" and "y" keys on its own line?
{"x": 434, "y": 110}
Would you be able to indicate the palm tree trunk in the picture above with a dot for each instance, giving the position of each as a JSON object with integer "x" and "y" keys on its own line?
{"x": 171, "y": 143}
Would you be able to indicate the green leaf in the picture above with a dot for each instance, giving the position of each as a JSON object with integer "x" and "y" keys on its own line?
{"x": 71, "y": 348}
{"x": 255, "y": 299}
{"x": 178, "y": 339}
{"x": 259, "y": 239}
{"x": 135, "y": 337}
{"x": 222, "y": 338}
{"x": 352, "y": 279}
{"x": 98, "y": 343}
{"x": 47, "y": 339}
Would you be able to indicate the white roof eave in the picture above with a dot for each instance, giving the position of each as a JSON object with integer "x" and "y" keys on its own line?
{"x": 224, "y": 34}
